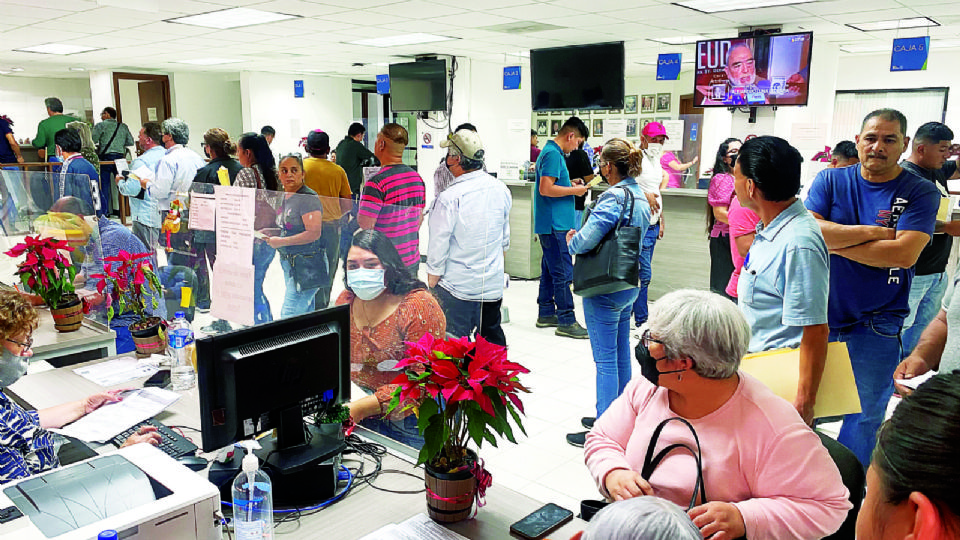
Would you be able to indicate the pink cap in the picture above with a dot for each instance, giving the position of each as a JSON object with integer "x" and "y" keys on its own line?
{"x": 654, "y": 129}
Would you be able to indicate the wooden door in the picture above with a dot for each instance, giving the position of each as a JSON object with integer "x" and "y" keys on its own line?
{"x": 153, "y": 101}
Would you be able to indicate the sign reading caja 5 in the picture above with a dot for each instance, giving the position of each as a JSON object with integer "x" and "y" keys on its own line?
{"x": 910, "y": 54}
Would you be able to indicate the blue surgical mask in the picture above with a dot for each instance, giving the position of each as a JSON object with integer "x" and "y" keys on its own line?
{"x": 366, "y": 283}
{"x": 12, "y": 367}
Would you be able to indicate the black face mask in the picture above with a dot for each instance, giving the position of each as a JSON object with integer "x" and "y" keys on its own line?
{"x": 648, "y": 364}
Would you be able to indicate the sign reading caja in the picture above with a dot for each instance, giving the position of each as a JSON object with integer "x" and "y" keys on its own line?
{"x": 668, "y": 67}
{"x": 910, "y": 54}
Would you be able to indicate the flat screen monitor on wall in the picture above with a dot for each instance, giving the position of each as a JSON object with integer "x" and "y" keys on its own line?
{"x": 753, "y": 71}
{"x": 577, "y": 77}
{"x": 419, "y": 86}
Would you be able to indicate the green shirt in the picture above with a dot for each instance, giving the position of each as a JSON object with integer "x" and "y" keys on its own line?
{"x": 351, "y": 155}
{"x": 47, "y": 128}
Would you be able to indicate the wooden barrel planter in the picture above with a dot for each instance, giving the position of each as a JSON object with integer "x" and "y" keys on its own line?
{"x": 450, "y": 496}
{"x": 150, "y": 339}
{"x": 68, "y": 316}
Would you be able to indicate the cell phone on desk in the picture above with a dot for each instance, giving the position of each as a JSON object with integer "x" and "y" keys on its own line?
{"x": 536, "y": 525}
{"x": 160, "y": 379}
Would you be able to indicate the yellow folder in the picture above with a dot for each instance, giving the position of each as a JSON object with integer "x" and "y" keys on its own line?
{"x": 779, "y": 369}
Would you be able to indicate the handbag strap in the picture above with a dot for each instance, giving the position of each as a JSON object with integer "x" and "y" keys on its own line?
{"x": 650, "y": 462}
{"x": 623, "y": 209}
{"x": 107, "y": 146}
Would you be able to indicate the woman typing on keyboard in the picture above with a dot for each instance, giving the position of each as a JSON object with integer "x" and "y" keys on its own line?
{"x": 26, "y": 447}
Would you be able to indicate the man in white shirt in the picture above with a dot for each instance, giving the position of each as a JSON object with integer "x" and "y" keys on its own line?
{"x": 177, "y": 168}
{"x": 651, "y": 179}
{"x": 469, "y": 231}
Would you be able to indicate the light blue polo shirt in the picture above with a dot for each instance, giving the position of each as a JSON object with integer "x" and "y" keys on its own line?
{"x": 785, "y": 282}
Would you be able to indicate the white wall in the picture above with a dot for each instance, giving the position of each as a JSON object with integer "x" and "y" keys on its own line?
{"x": 130, "y": 102}
{"x": 204, "y": 101}
{"x": 267, "y": 98}
{"x": 21, "y": 98}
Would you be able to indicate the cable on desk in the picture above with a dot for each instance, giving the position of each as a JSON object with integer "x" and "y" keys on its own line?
{"x": 376, "y": 452}
{"x": 319, "y": 506}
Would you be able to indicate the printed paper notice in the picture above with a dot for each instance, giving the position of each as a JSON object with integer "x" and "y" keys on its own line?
{"x": 203, "y": 211}
{"x": 674, "y": 129}
{"x": 615, "y": 128}
{"x": 234, "y": 223}
{"x": 114, "y": 372}
{"x": 231, "y": 292}
{"x": 151, "y": 114}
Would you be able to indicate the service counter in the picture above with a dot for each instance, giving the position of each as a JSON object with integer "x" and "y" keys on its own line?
{"x": 91, "y": 342}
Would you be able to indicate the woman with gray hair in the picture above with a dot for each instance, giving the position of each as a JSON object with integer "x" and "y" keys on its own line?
{"x": 766, "y": 474}
{"x": 641, "y": 518}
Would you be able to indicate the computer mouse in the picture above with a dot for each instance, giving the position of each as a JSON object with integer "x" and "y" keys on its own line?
{"x": 194, "y": 463}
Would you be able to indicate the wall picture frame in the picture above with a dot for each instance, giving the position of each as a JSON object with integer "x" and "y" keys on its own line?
{"x": 663, "y": 102}
{"x": 630, "y": 104}
{"x": 542, "y": 129}
{"x": 631, "y": 127}
{"x": 648, "y": 103}
{"x": 597, "y": 130}
{"x": 555, "y": 127}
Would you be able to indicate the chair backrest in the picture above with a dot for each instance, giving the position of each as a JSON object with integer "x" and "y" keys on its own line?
{"x": 174, "y": 278}
{"x": 853, "y": 476}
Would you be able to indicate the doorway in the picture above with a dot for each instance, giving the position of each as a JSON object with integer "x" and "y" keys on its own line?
{"x": 692, "y": 127}
{"x": 145, "y": 97}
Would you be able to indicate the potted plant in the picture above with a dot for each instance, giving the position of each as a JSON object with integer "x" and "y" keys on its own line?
{"x": 333, "y": 420}
{"x": 461, "y": 391}
{"x": 48, "y": 273}
{"x": 131, "y": 280}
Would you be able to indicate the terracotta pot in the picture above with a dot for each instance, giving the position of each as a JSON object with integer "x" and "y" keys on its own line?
{"x": 69, "y": 313}
{"x": 150, "y": 340}
{"x": 450, "y": 496}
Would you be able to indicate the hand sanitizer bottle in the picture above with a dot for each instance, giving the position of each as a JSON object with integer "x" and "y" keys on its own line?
{"x": 252, "y": 499}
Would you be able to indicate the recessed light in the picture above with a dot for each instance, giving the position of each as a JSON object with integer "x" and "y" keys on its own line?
{"x": 208, "y": 61}
{"x": 4, "y": 72}
{"x": 18, "y": 69}
{"x": 58, "y": 48}
{"x": 77, "y": 69}
{"x": 403, "y": 39}
{"x": 894, "y": 24}
{"x": 232, "y": 18}
{"x": 716, "y": 6}
{"x": 677, "y": 40}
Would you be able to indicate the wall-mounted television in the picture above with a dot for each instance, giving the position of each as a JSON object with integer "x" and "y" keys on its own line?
{"x": 577, "y": 77}
{"x": 753, "y": 71}
{"x": 419, "y": 86}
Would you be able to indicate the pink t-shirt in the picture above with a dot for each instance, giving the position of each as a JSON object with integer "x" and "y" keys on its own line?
{"x": 674, "y": 178}
{"x": 719, "y": 194}
{"x": 757, "y": 454}
{"x": 742, "y": 221}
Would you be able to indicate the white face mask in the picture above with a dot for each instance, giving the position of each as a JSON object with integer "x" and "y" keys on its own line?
{"x": 366, "y": 283}
{"x": 12, "y": 367}
{"x": 655, "y": 148}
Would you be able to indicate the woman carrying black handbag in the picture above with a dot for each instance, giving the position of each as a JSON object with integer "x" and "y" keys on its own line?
{"x": 607, "y": 269}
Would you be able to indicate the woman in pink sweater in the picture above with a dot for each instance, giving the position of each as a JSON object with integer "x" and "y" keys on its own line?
{"x": 766, "y": 474}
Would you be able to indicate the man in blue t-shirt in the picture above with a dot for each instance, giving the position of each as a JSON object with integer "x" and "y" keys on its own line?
{"x": 876, "y": 218}
{"x": 552, "y": 218}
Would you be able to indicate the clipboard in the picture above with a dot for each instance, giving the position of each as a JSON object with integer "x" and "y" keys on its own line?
{"x": 779, "y": 369}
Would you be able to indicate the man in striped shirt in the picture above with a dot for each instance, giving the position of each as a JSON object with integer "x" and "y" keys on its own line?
{"x": 392, "y": 202}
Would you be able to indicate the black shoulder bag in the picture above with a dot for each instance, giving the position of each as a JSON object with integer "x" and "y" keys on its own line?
{"x": 614, "y": 264}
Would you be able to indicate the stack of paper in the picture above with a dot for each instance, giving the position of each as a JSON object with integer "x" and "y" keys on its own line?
{"x": 114, "y": 372}
{"x": 419, "y": 527}
{"x": 112, "y": 419}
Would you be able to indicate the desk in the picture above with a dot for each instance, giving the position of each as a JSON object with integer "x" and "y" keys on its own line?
{"x": 92, "y": 341}
{"x": 363, "y": 511}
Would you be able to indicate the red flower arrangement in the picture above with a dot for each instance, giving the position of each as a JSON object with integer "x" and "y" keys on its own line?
{"x": 46, "y": 270}
{"x": 460, "y": 391}
{"x": 129, "y": 280}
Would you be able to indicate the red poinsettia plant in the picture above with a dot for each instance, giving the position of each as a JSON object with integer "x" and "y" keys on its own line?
{"x": 131, "y": 280}
{"x": 46, "y": 271}
{"x": 461, "y": 391}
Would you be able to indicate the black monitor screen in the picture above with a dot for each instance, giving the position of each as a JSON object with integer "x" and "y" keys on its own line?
{"x": 577, "y": 77}
{"x": 419, "y": 86}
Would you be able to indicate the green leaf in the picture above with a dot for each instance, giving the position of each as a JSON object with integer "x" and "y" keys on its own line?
{"x": 476, "y": 426}
{"x": 109, "y": 313}
{"x": 516, "y": 417}
{"x": 433, "y": 442}
{"x": 428, "y": 411}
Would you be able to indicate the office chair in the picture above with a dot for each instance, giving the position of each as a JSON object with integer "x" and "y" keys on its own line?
{"x": 853, "y": 476}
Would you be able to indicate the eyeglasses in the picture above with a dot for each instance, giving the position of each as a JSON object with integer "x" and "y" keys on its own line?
{"x": 647, "y": 339}
{"x": 23, "y": 346}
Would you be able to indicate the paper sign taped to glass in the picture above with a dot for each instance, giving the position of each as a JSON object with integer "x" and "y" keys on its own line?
{"x": 779, "y": 369}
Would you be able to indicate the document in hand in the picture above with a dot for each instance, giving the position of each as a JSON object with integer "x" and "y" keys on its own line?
{"x": 779, "y": 369}
{"x": 112, "y": 419}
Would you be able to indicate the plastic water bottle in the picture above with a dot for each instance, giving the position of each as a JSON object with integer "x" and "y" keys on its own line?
{"x": 252, "y": 499}
{"x": 180, "y": 334}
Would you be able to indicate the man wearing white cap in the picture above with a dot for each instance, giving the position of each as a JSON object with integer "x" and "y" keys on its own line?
{"x": 651, "y": 179}
{"x": 469, "y": 231}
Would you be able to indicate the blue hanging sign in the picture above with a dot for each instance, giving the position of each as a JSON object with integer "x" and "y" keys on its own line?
{"x": 298, "y": 89}
{"x": 694, "y": 127}
{"x": 910, "y": 54}
{"x": 511, "y": 78}
{"x": 668, "y": 67}
{"x": 383, "y": 84}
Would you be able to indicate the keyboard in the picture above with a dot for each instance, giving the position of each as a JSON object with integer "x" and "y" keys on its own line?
{"x": 172, "y": 443}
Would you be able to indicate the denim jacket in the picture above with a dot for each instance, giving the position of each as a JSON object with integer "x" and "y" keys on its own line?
{"x": 606, "y": 213}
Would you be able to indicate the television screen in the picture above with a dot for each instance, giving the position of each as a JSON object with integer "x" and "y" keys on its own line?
{"x": 577, "y": 77}
{"x": 419, "y": 86}
{"x": 753, "y": 71}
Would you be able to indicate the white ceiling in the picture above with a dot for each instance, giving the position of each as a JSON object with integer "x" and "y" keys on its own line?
{"x": 140, "y": 39}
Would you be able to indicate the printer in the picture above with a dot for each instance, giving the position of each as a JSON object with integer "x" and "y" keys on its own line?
{"x": 138, "y": 491}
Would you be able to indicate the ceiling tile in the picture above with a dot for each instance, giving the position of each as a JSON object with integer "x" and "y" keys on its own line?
{"x": 298, "y": 7}
{"x": 367, "y": 17}
{"x": 113, "y": 17}
{"x": 836, "y": 7}
{"x": 26, "y": 37}
{"x": 30, "y": 12}
{"x": 417, "y": 9}
{"x": 534, "y": 12}
{"x": 60, "y": 5}
{"x": 871, "y": 16}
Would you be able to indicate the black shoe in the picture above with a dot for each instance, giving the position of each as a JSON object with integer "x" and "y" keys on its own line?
{"x": 546, "y": 322}
{"x": 574, "y": 331}
{"x": 577, "y": 439}
{"x": 587, "y": 422}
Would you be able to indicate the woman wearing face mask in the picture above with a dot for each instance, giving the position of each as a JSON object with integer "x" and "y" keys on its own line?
{"x": 259, "y": 172}
{"x": 912, "y": 480}
{"x": 387, "y": 308}
{"x": 719, "y": 195}
{"x": 26, "y": 447}
{"x": 300, "y": 218}
{"x": 608, "y": 315}
{"x": 766, "y": 474}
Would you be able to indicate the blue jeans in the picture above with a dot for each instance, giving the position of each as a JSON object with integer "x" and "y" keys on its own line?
{"x": 608, "y": 323}
{"x": 646, "y": 272}
{"x": 926, "y": 295}
{"x": 403, "y": 431}
{"x": 874, "y": 347}
{"x": 556, "y": 274}
{"x": 263, "y": 255}
{"x": 295, "y": 302}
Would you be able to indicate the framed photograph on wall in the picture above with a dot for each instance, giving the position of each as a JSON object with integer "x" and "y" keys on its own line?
{"x": 555, "y": 127}
{"x": 542, "y": 113}
{"x": 542, "y": 128}
{"x": 630, "y": 104}
{"x": 568, "y": 113}
{"x": 616, "y": 111}
{"x": 597, "y": 130}
{"x": 663, "y": 102}
{"x": 644, "y": 122}
{"x": 631, "y": 127}
{"x": 647, "y": 103}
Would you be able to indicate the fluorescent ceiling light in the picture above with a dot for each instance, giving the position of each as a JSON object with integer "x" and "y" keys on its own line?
{"x": 404, "y": 39}
{"x": 944, "y": 43}
{"x": 894, "y": 24}
{"x": 58, "y": 48}
{"x": 4, "y": 72}
{"x": 232, "y": 18}
{"x": 716, "y": 6}
{"x": 17, "y": 69}
{"x": 677, "y": 40}
{"x": 208, "y": 61}
{"x": 77, "y": 69}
